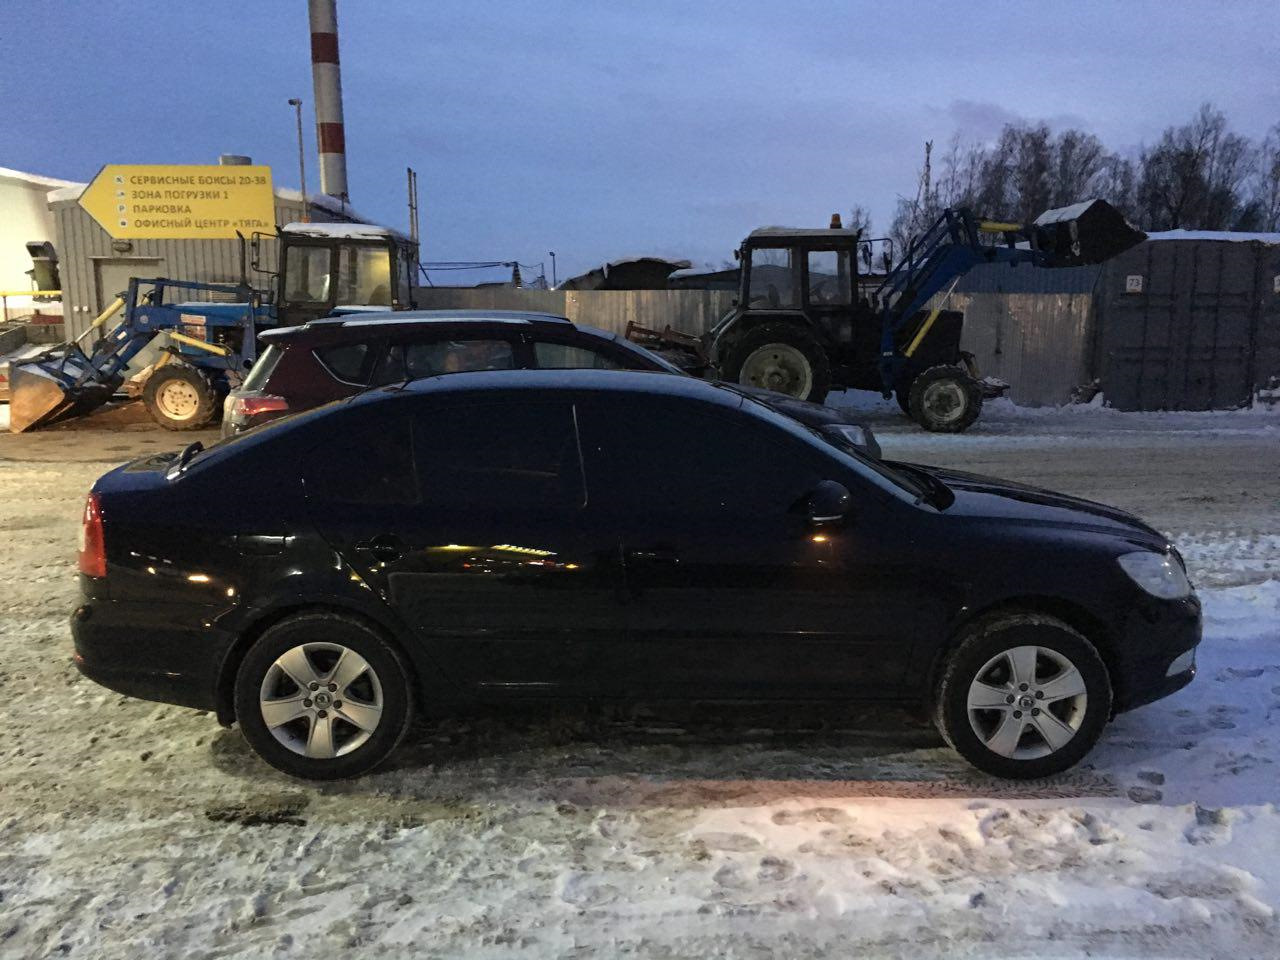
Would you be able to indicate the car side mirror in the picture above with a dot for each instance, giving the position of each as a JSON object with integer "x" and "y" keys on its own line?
{"x": 830, "y": 502}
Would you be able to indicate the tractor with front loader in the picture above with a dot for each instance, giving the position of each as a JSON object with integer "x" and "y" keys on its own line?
{"x": 801, "y": 326}
{"x": 205, "y": 347}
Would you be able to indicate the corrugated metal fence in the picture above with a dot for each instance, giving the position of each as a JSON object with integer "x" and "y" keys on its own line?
{"x": 693, "y": 311}
{"x": 1037, "y": 342}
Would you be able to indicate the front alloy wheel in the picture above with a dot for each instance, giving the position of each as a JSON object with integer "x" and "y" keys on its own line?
{"x": 1023, "y": 695}
{"x": 1027, "y": 702}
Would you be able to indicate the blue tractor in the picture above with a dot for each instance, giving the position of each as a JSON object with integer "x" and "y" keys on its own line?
{"x": 206, "y": 346}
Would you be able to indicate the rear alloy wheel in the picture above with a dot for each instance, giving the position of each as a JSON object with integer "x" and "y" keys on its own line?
{"x": 783, "y": 357}
{"x": 321, "y": 696}
{"x": 1023, "y": 696}
{"x": 180, "y": 397}
{"x": 945, "y": 399}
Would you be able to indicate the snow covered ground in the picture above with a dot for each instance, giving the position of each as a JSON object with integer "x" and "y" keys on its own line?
{"x": 130, "y": 829}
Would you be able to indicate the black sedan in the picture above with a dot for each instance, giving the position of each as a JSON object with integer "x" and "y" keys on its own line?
{"x": 500, "y": 536}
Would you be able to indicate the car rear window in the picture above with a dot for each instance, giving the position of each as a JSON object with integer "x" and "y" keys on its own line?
{"x": 562, "y": 356}
{"x": 348, "y": 362}
{"x": 263, "y": 367}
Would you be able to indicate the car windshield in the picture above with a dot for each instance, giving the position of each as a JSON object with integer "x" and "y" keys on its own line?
{"x": 666, "y": 365}
{"x": 901, "y": 480}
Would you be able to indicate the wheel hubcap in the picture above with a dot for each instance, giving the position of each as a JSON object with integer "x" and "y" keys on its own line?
{"x": 1027, "y": 702}
{"x": 944, "y": 400}
{"x": 779, "y": 367}
{"x": 321, "y": 700}
{"x": 178, "y": 400}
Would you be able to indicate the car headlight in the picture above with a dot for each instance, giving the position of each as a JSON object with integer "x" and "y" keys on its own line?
{"x": 1157, "y": 573}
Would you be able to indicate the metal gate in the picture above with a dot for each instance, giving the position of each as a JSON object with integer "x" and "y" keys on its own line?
{"x": 1179, "y": 322}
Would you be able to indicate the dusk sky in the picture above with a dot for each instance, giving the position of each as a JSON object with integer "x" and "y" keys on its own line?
{"x": 607, "y": 129}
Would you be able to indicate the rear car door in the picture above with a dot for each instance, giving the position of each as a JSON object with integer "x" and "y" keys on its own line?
{"x": 467, "y": 518}
{"x": 730, "y": 591}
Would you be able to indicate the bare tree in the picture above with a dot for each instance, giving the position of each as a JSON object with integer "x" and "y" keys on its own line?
{"x": 1193, "y": 176}
{"x": 1266, "y": 187}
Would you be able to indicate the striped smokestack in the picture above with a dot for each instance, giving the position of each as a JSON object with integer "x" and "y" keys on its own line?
{"x": 327, "y": 78}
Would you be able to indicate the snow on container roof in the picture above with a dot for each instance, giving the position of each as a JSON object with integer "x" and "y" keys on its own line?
{"x": 1227, "y": 236}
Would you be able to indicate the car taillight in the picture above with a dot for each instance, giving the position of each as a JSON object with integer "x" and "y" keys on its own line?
{"x": 93, "y": 545}
{"x": 252, "y": 406}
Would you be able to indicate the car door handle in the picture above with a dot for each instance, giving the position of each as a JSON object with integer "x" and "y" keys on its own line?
{"x": 384, "y": 547}
{"x": 653, "y": 555}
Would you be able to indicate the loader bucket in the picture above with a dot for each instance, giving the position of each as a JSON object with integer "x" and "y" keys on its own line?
{"x": 1084, "y": 233}
{"x": 40, "y": 394}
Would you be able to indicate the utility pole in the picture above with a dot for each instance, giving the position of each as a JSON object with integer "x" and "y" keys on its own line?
{"x": 413, "y": 203}
{"x": 302, "y": 161}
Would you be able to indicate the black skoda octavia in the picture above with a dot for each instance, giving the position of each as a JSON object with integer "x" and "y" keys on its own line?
{"x": 497, "y": 536}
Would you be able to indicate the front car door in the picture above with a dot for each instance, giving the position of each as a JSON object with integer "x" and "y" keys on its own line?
{"x": 731, "y": 592}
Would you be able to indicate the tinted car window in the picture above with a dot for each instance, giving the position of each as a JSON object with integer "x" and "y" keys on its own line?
{"x": 673, "y": 457}
{"x": 364, "y": 460}
{"x": 412, "y": 361}
{"x": 562, "y": 356}
{"x": 519, "y": 455}
{"x": 346, "y": 361}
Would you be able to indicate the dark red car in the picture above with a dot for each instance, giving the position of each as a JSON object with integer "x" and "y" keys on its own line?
{"x": 309, "y": 365}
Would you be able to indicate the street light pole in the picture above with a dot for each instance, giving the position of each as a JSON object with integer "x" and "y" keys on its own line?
{"x": 553, "y": 268}
{"x": 302, "y": 163}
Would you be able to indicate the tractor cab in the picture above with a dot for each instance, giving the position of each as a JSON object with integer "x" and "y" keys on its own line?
{"x": 795, "y": 273}
{"x": 328, "y": 268}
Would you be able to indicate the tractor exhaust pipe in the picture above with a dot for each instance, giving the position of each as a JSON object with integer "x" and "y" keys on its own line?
{"x": 326, "y": 77}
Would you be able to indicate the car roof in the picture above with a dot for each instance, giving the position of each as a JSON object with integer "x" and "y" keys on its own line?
{"x": 560, "y": 380}
{"x": 410, "y": 319}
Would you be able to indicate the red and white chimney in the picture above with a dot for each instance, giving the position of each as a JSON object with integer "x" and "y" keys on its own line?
{"x": 326, "y": 77}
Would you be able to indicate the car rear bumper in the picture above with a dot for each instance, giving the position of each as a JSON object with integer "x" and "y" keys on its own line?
{"x": 1162, "y": 637}
{"x": 140, "y": 651}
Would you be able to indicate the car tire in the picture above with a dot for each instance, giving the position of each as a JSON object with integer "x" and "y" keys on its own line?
{"x": 801, "y": 368}
{"x": 945, "y": 399}
{"x": 314, "y": 733}
{"x": 1043, "y": 731}
{"x": 180, "y": 397}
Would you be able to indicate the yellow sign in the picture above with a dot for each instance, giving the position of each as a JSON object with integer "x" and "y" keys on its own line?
{"x": 180, "y": 202}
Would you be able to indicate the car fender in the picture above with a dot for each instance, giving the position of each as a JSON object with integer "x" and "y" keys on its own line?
{"x": 339, "y": 590}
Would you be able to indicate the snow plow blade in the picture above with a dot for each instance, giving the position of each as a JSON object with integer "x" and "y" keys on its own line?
{"x": 39, "y": 396}
{"x": 1084, "y": 233}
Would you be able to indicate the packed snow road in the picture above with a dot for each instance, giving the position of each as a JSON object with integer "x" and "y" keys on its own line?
{"x": 133, "y": 829}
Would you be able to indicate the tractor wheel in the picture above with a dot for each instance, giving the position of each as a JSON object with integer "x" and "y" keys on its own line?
{"x": 180, "y": 397}
{"x": 945, "y": 399}
{"x": 784, "y": 357}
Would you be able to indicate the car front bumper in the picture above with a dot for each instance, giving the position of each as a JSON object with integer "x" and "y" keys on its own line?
{"x": 1161, "y": 638}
